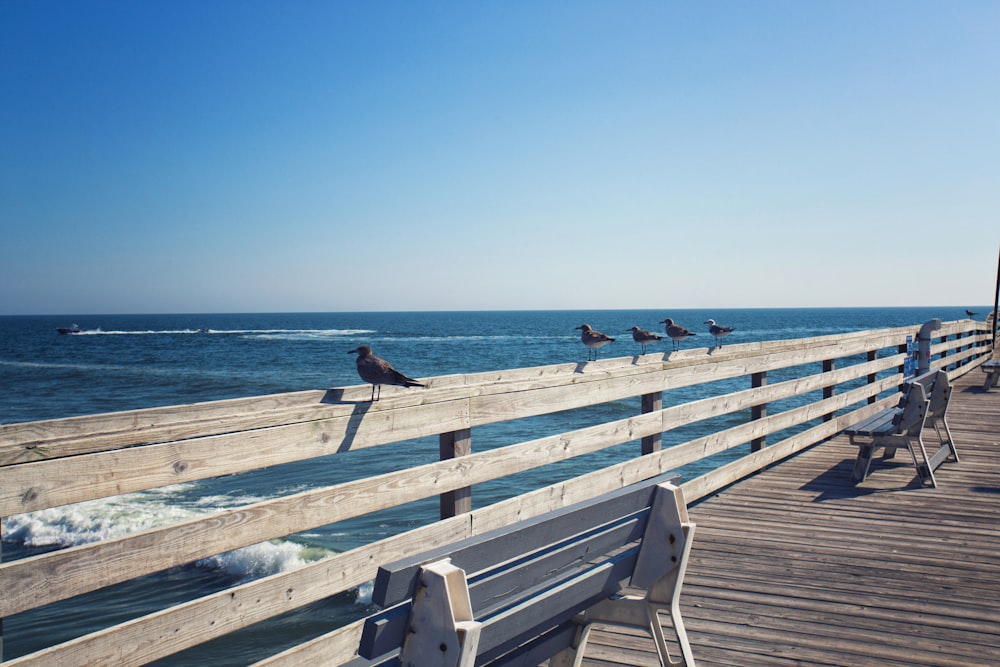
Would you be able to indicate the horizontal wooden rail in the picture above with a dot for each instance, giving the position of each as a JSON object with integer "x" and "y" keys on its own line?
{"x": 58, "y": 462}
{"x": 50, "y": 577}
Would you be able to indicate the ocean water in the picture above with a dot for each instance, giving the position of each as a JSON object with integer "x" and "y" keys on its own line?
{"x": 121, "y": 362}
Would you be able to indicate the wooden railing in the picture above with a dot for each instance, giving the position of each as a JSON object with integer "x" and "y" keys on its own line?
{"x": 836, "y": 381}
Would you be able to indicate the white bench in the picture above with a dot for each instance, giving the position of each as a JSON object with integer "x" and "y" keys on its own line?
{"x": 925, "y": 400}
{"x": 530, "y": 592}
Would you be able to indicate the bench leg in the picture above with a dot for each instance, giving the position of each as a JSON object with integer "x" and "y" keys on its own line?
{"x": 992, "y": 376}
{"x": 863, "y": 463}
{"x": 633, "y": 612}
{"x": 924, "y": 471}
{"x": 946, "y": 441}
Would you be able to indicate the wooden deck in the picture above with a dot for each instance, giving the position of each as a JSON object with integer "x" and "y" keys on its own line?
{"x": 796, "y": 566}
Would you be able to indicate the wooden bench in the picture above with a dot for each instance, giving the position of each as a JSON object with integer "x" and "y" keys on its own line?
{"x": 992, "y": 370}
{"x": 924, "y": 401}
{"x": 530, "y": 592}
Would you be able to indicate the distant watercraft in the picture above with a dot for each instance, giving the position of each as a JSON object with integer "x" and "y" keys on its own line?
{"x": 75, "y": 329}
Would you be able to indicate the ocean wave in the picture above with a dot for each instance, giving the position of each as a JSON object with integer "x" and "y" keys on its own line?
{"x": 110, "y": 518}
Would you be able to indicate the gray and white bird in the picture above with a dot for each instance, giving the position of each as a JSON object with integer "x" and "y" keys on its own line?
{"x": 377, "y": 371}
{"x": 718, "y": 331}
{"x": 594, "y": 340}
{"x": 676, "y": 332}
{"x": 644, "y": 337}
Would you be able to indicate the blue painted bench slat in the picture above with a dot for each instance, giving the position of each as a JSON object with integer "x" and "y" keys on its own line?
{"x": 529, "y": 592}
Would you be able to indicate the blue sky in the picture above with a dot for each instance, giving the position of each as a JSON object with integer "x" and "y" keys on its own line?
{"x": 234, "y": 156}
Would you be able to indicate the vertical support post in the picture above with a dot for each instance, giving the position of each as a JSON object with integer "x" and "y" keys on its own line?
{"x": 872, "y": 377}
{"x": 758, "y": 380}
{"x": 830, "y": 390}
{"x": 451, "y": 445}
{"x": 944, "y": 353}
{"x": 904, "y": 348}
{"x": 652, "y": 403}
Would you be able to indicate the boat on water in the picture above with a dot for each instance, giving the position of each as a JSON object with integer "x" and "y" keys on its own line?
{"x": 75, "y": 329}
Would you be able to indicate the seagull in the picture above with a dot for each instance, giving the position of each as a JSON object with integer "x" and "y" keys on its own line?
{"x": 676, "y": 332}
{"x": 594, "y": 340}
{"x": 718, "y": 331}
{"x": 970, "y": 313}
{"x": 377, "y": 372}
{"x": 644, "y": 337}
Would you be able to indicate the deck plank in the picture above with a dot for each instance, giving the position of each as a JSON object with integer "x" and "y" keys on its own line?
{"x": 797, "y": 566}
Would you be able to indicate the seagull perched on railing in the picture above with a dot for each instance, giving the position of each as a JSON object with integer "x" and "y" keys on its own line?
{"x": 676, "y": 332}
{"x": 644, "y": 337}
{"x": 594, "y": 340}
{"x": 377, "y": 371}
{"x": 718, "y": 331}
{"x": 969, "y": 313}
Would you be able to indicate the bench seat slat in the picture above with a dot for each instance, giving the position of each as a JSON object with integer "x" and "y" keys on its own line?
{"x": 496, "y": 589}
{"x": 880, "y": 423}
{"x": 398, "y": 581}
{"x": 550, "y": 566}
{"x": 512, "y": 627}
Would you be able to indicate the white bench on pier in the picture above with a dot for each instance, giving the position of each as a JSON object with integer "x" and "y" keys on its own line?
{"x": 992, "y": 370}
{"x": 530, "y": 592}
{"x": 924, "y": 401}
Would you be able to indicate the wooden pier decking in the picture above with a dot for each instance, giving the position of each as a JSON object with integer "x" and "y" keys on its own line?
{"x": 796, "y": 566}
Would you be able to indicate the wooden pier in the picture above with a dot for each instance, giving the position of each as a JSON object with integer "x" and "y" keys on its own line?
{"x": 792, "y": 563}
{"x": 795, "y": 566}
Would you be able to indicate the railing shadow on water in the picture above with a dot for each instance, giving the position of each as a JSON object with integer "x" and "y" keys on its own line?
{"x": 528, "y": 440}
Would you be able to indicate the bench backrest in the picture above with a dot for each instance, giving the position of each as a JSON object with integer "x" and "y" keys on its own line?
{"x": 914, "y": 406}
{"x": 937, "y": 388}
{"x": 527, "y": 581}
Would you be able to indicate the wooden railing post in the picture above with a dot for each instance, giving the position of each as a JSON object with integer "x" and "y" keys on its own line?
{"x": 652, "y": 403}
{"x": 829, "y": 390}
{"x": 872, "y": 377}
{"x": 758, "y": 380}
{"x": 453, "y": 444}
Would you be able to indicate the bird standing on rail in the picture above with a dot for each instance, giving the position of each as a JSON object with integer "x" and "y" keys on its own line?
{"x": 644, "y": 337}
{"x": 594, "y": 340}
{"x": 377, "y": 371}
{"x": 718, "y": 331}
{"x": 676, "y": 332}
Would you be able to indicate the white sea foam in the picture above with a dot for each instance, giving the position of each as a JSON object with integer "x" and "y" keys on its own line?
{"x": 365, "y": 591}
{"x": 110, "y": 518}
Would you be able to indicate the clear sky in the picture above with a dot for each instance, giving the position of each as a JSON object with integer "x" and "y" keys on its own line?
{"x": 324, "y": 155}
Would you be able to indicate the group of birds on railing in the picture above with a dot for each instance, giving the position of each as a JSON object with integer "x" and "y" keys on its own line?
{"x": 377, "y": 371}
{"x": 594, "y": 340}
